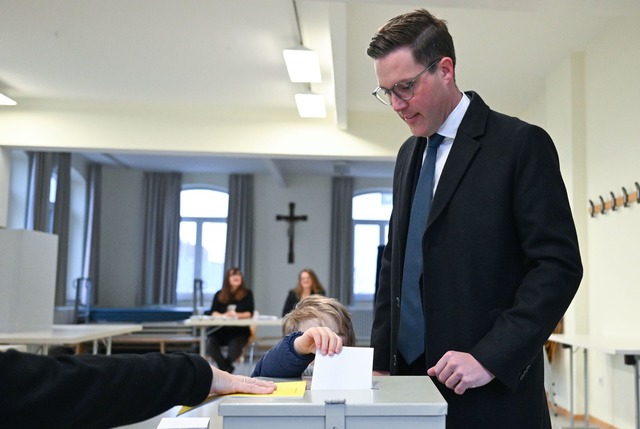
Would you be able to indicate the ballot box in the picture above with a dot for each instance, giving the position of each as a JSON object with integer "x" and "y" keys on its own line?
{"x": 27, "y": 280}
{"x": 403, "y": 402}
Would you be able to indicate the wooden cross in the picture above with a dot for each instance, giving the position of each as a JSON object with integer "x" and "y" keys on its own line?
{"x": 291, "y": 218}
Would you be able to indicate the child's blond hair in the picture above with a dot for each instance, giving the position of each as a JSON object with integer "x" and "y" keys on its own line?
{"x": 323, "y": 309}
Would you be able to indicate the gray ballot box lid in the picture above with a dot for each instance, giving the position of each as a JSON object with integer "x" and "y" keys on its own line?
{"x": 403, "y": 396}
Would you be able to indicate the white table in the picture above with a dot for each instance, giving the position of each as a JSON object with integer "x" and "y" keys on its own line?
{"x": 69, "y": 334}
{"x": 203, "y": 323}
{"x": 627, "y": 347}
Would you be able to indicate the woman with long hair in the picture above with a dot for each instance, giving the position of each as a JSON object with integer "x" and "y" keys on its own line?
{"x": 308, "y": 284}
{"x": 234, "y": 301}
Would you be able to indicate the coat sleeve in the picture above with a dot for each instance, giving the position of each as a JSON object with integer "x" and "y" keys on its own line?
{"x": 385, "y": 322}
{"x": 282, "y": 360}
{"x": 381, "y": 329}
{"x": 552, "y": 267}
{"x": 97, "y": 391}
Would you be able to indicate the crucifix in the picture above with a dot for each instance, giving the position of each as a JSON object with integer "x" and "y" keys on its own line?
{"x": 291, "y": 218}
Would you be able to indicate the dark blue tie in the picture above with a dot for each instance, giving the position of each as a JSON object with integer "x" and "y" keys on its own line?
{"x": 411, "y": 334}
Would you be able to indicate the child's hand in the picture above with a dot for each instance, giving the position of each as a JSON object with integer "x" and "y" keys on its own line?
{"x": 318, "y": 338}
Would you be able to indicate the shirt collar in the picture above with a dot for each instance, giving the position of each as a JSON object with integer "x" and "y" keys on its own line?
{"x": 449, "y": 128}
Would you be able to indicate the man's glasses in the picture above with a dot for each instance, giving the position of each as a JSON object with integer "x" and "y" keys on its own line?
{"x": 402, "y": 90}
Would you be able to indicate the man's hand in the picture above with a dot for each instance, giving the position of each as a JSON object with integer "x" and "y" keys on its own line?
{"x": 318, "y": 338}
{"x": 460, "y": 371}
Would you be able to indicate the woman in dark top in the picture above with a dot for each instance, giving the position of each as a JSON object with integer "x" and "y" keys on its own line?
{"x": 308, "y": 284}
{"x": 234, "y": 301}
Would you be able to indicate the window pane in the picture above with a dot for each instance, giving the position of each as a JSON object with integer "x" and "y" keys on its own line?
{"x": 372, "y": 206}
{"x": 371, "y": 213}
{"x": 187, "y": 257}
{"x": 214, "y": 240}
{"x": 203, "y": 238}
{"x": 365, "y": 243}
{"x": 204, "y": 203}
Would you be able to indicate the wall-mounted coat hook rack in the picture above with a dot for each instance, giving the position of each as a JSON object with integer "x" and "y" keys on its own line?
{"x": 614, "y": 203}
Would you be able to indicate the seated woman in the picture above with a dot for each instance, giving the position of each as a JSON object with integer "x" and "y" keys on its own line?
{"x": 234, "y": 300}
{"x": 308, "y": 284}
{"x": 316, "y": 323}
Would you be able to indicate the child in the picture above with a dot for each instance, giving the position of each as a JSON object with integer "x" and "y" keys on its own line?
{"x": 316, "y": 323}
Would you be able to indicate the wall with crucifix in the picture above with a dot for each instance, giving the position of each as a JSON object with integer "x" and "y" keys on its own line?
{"x": 273, "y": 275}
{"x": 312, "y": 197}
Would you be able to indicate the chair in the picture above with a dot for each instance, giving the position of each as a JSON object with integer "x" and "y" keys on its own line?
{"x": 251, "y": 345}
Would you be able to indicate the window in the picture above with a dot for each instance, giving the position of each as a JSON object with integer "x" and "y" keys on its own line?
{"x": 77, "y": 223}
{"x": 203, "y": 237}
{"x": 371, "y": 212}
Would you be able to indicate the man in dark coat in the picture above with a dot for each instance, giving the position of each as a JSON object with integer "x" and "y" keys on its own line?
{"x": 500, "y": 262}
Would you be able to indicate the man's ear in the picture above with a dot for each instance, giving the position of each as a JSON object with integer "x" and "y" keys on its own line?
{"x": 446, "y": 69}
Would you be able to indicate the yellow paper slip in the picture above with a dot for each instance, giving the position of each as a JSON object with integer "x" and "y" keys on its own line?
{"x": 285, "y": 388}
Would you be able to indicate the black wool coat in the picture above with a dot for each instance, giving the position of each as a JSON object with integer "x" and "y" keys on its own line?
{"x": 501, "y": 265}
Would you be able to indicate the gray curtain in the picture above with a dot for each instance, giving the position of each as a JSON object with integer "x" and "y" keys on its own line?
{"x": 240, "y": 226}
{"x": 161, "y": 238}
{"x": 90, "y": 263}
{"x": 341, "y": 251}
{"x": 61, "y": 223}
{"x": 41, "y": 166}
{"x": 40, "y": 217}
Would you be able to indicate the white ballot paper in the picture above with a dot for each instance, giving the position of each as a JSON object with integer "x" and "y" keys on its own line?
{"x": 351, "y": 369}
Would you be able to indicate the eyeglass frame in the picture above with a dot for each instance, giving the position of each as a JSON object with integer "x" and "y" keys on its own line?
{"x": 409, "y": 83}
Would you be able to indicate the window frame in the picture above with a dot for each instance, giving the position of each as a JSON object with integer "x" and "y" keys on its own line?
{"x": 383, "y": 227}
{"x": 200, "y": 221}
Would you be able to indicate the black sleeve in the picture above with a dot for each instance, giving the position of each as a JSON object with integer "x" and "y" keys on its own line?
{"x": 246, "y": 303}
{"x": 289, "y": 303}
{"x": 97, "y": 391}
{"x": 216, "y": 305}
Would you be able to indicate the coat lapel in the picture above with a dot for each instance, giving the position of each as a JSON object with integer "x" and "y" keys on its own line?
{"x": 465, "y": 146}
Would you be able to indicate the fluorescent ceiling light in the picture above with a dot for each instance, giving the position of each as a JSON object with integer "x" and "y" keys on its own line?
{"x": 303, "y": 64}
{"x": 6, "y": 101}
{"x": 311, "y": 105}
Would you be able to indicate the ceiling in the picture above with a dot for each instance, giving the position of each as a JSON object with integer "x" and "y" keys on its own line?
{"x": 214, "y": 53}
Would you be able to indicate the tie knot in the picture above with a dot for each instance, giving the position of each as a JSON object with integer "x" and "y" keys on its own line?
{"x": 435, "y": 140}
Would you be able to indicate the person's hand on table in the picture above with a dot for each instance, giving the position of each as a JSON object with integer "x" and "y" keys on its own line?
{"x": 223, "y": 383}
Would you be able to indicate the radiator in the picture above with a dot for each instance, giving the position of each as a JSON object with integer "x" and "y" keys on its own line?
{"x": 362, "y": 318}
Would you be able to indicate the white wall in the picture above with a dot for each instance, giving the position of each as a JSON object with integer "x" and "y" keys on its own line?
{"x": 273, "y": 275}
{"x": 590, "y": 109}
{"x": 121, "y": 238}
{"x": 108, "y": 128}
{"x": 5, "y": 173}
{"x": 612, "y": 127}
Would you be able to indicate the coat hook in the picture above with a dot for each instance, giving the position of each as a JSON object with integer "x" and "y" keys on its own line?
{"x": 592, "y": 209}
{"x": 601, "y": 204}
{"x": 625, "y": 197}
{"x": 613, "y": 201}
